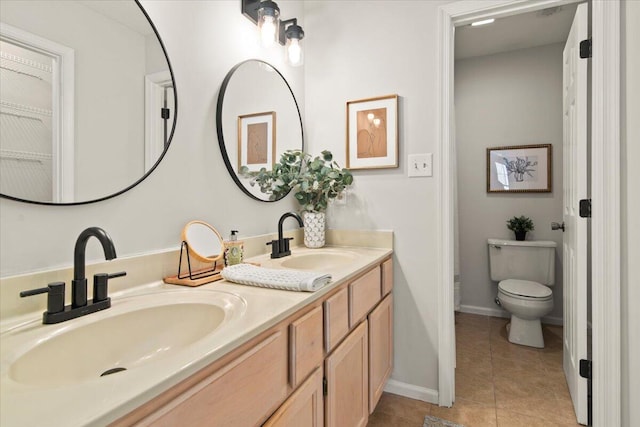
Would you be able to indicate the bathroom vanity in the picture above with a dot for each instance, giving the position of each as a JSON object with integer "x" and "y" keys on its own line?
{"x": 275, "y": 358}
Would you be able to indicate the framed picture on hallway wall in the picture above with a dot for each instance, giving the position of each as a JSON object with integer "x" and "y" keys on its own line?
{"x": 519, "y": 169}
{"x": 372, "y": 133}
{"x": 257, "y": 141}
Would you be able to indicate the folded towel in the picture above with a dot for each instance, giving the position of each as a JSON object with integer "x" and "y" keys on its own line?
{"x": 291, "y": 280}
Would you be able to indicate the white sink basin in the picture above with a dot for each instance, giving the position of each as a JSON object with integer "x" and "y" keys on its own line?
{"x": 319, "y": 259}
{"x": 133, "y": 332}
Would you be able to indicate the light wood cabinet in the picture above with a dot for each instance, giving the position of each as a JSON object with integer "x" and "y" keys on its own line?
{"x": 346, "y": 371}
{"x": 364, "y": 294}
{"x": 305, "y": 337}
{"x": 380, "y": 349}
{"x": 387, "y": 276}
{"x": 304, "y": 408}
{"x": 336, "y": 319}
{"x": 243, "y": 393}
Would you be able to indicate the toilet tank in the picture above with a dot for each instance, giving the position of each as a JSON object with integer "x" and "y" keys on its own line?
{"x": 524, "y": 260}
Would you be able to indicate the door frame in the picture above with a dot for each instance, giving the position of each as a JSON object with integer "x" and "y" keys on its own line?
{"x": 605, "y": 192}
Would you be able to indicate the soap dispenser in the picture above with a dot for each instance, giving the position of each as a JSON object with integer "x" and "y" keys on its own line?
{"x": 233, "y": 249}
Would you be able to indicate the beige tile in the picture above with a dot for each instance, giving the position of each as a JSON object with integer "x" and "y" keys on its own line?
{"x": 397, "y": 407}
{"x": 468, "y": 413}
{"x": 470, "y": 363}
{"x": 513, "y": 419}
{"x": 475, "y": 388}
{"x": 386, "y": 420}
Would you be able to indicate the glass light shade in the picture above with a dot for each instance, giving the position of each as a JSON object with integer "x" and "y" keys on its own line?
{"x": 294, "y": 52}
{"x": 268, "y": 25}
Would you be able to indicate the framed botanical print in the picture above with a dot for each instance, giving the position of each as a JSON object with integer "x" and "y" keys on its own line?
{"x": 519, "y": 169}
{"x": 257, "y": 140}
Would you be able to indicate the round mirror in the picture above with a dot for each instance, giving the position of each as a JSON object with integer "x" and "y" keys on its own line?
{"x": 258, "y": 119}
{"x": 87, "y": 96}
{"x": 205, "y": 243}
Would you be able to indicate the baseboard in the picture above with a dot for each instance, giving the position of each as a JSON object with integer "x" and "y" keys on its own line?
{"x": 411, "y": 391}
{"x": 498, "y": 312}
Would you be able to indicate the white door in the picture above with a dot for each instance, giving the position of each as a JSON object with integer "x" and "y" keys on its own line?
{"x": 574, "y": 252}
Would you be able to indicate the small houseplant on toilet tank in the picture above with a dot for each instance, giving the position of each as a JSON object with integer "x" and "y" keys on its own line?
{"x": 315, "y": 182}
{"x": 520, "y": 225}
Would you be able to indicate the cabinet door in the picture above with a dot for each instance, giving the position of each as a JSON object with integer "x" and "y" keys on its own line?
{"x": 346, "y": 369}
{"x": 380, "y": 349}
{"x": 304, "y": 406}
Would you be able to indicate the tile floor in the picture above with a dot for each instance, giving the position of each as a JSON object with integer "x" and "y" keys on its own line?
{"x": 497, "y": 383}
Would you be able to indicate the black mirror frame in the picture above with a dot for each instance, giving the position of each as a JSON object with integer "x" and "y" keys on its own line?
{"x": 221, "y": 142}
{"x": 169, "y": 140}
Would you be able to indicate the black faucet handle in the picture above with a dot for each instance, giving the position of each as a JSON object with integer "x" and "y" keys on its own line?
{"x": 55, "y": 300}
{"x": 100, "y": 285}
{"x": 286, "y": 244}
{"x": 275, "y": 248}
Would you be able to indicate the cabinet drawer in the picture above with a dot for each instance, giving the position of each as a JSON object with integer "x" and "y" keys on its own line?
{"x": 387, "y": 276}
{"x": 246, "y": 391}
{"x": 364, "y": 293}
{"x": 303, "y": 408}
{"x": 336, "y": 319}
{"x": 305, "y": 346}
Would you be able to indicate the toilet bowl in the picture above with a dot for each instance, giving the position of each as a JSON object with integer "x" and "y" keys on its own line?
{"x": 527, "y": 301}
{"x": 525, "y": 271}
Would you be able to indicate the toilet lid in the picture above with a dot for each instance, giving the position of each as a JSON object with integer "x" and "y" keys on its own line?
{"x": 524, "y": 288}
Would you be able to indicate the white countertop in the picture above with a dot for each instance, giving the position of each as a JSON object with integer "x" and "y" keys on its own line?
{"x": 99, "y": 401}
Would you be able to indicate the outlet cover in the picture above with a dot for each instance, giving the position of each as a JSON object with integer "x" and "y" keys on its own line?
{"x": 420, "y": 165}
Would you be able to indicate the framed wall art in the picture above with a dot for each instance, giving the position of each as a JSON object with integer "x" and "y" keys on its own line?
{"x": 372, "y": 133}
{"x": 519, "y": 169}
{"x": 257, "y": 140}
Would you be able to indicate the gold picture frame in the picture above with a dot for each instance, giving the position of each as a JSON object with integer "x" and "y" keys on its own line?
{"x": 519, "y": 169}
{"x": 372, "y": 133}
{"x": 257, "y": 140}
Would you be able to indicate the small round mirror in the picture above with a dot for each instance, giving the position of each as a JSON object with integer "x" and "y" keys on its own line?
{"x": 205, "y": 243}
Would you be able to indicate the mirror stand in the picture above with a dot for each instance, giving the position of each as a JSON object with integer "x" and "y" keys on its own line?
{"x": 193, "y": 277}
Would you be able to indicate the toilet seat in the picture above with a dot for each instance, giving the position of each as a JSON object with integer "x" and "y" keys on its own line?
{"x": 525, "y": 289}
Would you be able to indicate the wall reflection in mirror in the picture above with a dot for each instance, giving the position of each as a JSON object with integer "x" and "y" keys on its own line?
{"x": 87, "y": 99}
{"x": 257, "y": 120}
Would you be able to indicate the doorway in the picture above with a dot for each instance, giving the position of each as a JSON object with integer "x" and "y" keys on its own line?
{"x": 605, "y": 269}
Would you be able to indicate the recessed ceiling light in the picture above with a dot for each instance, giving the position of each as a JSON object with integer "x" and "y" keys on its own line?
{"x": 483, "y": 22}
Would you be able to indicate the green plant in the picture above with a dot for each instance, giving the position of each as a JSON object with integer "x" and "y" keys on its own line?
{"x": 520, "y": 224}
{"x": 314, "y": 181}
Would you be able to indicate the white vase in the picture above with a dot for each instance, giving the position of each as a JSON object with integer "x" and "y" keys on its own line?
{"x": 313, "y": 229}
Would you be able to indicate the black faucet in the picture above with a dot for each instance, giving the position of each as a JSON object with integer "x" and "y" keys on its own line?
{"x": 56, "y": 310}
{"x": 280, "y": 247}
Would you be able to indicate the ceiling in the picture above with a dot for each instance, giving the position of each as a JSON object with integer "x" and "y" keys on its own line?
{"x": 522, "y": 31}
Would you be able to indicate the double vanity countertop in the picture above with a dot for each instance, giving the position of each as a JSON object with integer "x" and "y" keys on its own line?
{"x": 60, "y": 390}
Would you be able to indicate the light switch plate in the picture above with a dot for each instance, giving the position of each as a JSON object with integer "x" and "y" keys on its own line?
{"x": 420, "y": 165}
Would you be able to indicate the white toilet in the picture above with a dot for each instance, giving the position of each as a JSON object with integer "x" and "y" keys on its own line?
{"x": 524, "y": 271}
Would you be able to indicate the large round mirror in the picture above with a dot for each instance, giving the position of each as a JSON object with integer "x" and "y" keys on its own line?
{"x": 258, "y": 119}
{"x": 87, "y": 99}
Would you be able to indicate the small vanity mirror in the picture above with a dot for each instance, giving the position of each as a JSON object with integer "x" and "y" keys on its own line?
{"x": 87, "y": 99}
{"x": 258, "y": 119}
{"x": 204, "y": 241}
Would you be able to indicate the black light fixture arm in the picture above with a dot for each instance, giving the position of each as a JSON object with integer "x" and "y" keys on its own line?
{"x": 290, "y": 27}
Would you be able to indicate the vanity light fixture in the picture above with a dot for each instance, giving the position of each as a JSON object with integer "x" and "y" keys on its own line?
{"x": 483, "y": 22}
{"x": 266, "y": 15}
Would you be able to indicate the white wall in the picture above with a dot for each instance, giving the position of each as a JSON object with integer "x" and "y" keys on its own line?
{"x": 630, "y": 226}
{"x": 512, "y": 98}
{"x": 203, "y": 40}
{"x": 359, "y": 50}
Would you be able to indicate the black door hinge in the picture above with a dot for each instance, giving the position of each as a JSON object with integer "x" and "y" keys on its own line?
{"x": 585, "y": 48}
{"x": 164, "y": 113}
{"x": 585, "y": 208}
{"x": 324, "y": 386}
{"x": 585, "y": 368}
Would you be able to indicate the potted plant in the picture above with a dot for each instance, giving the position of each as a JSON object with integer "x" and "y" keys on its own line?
{"x": 315, "y": 182}
{"x": 520, "y": 225}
